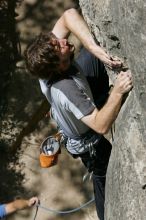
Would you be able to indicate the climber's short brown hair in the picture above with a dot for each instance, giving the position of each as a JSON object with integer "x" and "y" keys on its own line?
{"x": 41, "y": 57}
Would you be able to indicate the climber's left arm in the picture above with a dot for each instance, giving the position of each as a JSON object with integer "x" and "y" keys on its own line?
{"x": 72, "y": 21}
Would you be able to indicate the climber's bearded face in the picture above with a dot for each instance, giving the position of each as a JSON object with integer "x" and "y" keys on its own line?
{"x": 65, "y": 51}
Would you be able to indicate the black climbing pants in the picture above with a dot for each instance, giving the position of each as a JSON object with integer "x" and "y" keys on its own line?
{"x": 98, "y": 165}
{"x": 99, "y": 192}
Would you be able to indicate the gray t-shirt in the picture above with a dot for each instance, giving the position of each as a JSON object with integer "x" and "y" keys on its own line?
{"x": 71, "y": 99}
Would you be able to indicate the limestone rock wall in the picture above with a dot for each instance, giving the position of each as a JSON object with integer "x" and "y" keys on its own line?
{"x": 120, "y": 27}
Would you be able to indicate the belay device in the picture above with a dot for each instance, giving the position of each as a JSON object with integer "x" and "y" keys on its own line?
{"x": 49, "y": 151}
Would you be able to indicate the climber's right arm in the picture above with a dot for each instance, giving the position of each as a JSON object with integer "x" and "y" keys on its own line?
{"x": 101, "y": 121}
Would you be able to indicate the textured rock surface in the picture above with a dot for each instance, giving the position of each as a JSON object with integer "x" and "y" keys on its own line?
{"x": 120, "y": 27}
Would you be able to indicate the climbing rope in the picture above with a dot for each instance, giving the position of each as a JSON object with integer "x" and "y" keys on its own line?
{"x": 62, "y": 212}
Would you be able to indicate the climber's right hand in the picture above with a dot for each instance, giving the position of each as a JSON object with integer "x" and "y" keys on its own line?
{"x": 123, "y": 83}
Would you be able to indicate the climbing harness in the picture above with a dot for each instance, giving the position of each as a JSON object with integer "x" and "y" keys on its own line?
{"x": 50, "y": 147}
{"x": 92, "y": 150}
{"x": 62, "y": 212}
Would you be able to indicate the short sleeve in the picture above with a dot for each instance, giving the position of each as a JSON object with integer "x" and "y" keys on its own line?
{"x": 2, "y": 211}
{"x": 75, "y": 100}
